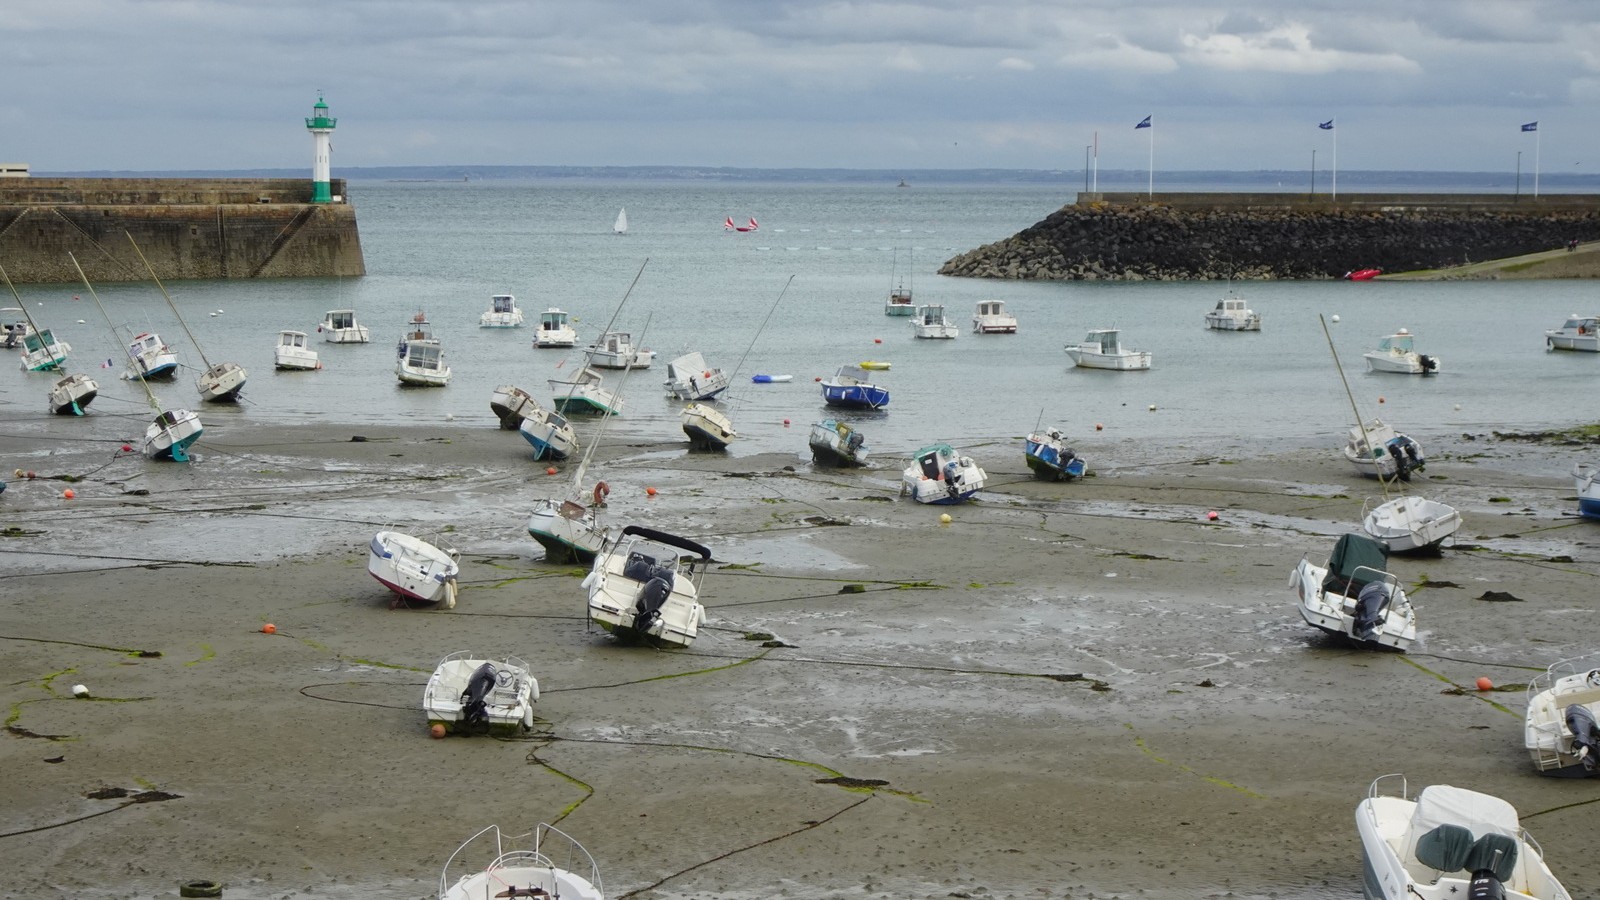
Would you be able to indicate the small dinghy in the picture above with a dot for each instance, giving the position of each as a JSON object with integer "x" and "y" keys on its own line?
{"x": 835, "y": 443}
{"x": 645, "y": 588}
{"x": 1378, "y": 451}
{"x": 938, "y": 475}
{"x": 530, "y": 874}
{"x": 1411, "y": 524}
{"x": 470, "y": 694}
{"x": 1048, "y": 456}
{"x": 1354, "y": 596}
{"x": 1584, "y": 476}
{"x": 413, "y": 568}
{"x": 771, "y": 379}
{"x": 1448, "y": 843}
{"x": 1561, "y": 730}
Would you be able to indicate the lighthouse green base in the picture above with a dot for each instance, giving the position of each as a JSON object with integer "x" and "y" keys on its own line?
{"x": 321, "y": 192}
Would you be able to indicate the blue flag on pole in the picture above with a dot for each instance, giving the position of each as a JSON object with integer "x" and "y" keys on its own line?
{"x": 1144, "y": 124}
{"x": 1326, "y": 126}
{"x": 1531, "y": 126}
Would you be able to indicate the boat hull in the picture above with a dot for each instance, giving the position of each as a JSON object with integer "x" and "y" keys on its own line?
{"x": 568, "y": 532}
{"x": 413, "y": 568}
{"x": 1049, "y": 460}
{"x": 72, "y": 394}
{"x": 1135, "y": 361}
{"x": 510, "y": 404}
{"x": 221, "y": 383}
{"x": 1251, "y": 322}
{"x": 171, "y": 435}
{"x": 1587, "y": 480}
{"x": 356, "y": 335}
{"x": 707, "y": 428}
{"x": 1412, "y": 524}
{"x": 836, "y": 444}
{"x": 549, "y": 439}
{"x": 854, "y": 396}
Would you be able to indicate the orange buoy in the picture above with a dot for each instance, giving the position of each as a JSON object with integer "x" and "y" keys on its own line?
{"x": 550, "y": 471}
{"x": 1211, "y": 516}
{"x": 818, "y": 378}
{"x": 269, "y": 628}
{"x": 603, "y": 490}
{"x": 1380, "y": 399}
{"x": 1484, "y": 684}
{"x": 877, "y": 340}
{"x": 650, "y": 490}
{"x": 436, "y": 731}
{"x": 1099, "y": 427}
{"x": 68, "y": 494}
{"x": 127, "y": 448}
{"x": 786, "y": 423}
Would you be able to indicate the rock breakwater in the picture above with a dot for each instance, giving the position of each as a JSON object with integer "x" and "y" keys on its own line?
{"x": 1210, "y": 236}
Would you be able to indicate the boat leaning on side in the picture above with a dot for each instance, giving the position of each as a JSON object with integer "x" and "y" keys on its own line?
{"x": 1411, "y": 524}
{"x": 530, "y": 874}
{"x": 1378, "y": 451}
{"x": 938, "y": 475}
{"x": 171, "y": 434}
{"x": 835, "y": 443}
{"x": 1354, "y": 597}
{"x": 568, "y": 531}
{"x": 548, "y": 433}
{"x": 1584, "y": 476}
{"x": 41, "y": 352}
{"x": 413, "y": 568}
{"x": 1048, "y": 456}
{"x": 1561, "y": 729}
{"x": 585, "y": 392}
{"x": 708, "y": 428}
{"x": 689, "y": 378}
{"x": 646, "y": 587}
{"x": 1448, "y": 844}
{"x": 472, "y": 694}
{"x": 509, "y": 404}
{"x": 71, "y": 395}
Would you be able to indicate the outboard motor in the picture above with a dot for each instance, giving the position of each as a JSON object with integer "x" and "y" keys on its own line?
{"x": 1428, "y": 363}
{"x": 1585, "y": 735}
{"x": 1484, "y": 886}
{"x": 474, "y": 700}
{"x": 1402, "y": 460}
{"x": 647, "y": 609}
{"x": 1370, "y": 605}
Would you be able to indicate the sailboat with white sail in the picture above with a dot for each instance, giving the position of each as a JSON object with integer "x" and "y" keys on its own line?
{"x": 72, "y": 393}
{"x": 220, "y": 383}
{"x": 621, "y": 226}
{"x": 172, "y": 432}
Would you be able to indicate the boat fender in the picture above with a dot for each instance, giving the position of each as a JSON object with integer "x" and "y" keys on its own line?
{"x": 601, "y": 492}
{"x": 587, "y": 580}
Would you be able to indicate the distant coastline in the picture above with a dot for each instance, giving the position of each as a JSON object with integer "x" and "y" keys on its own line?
{"x": 1264, "y": 180}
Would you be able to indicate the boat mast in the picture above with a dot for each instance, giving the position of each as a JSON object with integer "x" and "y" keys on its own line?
{"x": 137, "y": 370}
{"x": 1360, "y": 423}
{"x": 59, "y": 361}
{"x": 170, "y": 304}
{"x": 588, "y": 355}
{"x": 583, "y": 464}
{"x": 770, "y": 311}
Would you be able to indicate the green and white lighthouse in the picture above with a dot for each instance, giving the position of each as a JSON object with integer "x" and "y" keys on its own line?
{"x": 321, "y": 126}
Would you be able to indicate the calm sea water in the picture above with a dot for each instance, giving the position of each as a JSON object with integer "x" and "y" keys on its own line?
{"x": 444, "y": 248}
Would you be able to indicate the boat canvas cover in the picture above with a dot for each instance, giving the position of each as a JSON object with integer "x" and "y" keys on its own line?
{"x": 1481, "y": 814}
{"x": 1354, "y": 551}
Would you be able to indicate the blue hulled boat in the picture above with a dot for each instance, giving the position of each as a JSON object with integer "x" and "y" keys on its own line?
{"x": 1049, "y": 456}
{"x": 852, "y": 388}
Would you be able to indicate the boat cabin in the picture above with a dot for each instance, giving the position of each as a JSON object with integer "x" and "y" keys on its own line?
{"x": 503, "y": 303}
{"x": 1109, "y": 340}
{"x": 1399, "y": 342}
{"x": 1581, "y": 325}
{"x": 292, "y": 339}
{"x": 1231, "y": 306}
{"x": 341, "y": 318}
{"x": 932, "y": 315}
{"x": 424, "y": 354}
{"x": 552, "y": 320}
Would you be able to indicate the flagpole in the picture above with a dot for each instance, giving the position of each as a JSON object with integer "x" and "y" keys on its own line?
{"x": 1336, "y": 161}
{"x": 1152, "y": 187}
{"x": 1096, "y": 163}
{"x": 1536, "y": 135}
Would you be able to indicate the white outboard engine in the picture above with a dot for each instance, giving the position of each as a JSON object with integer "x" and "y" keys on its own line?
{"x": 474, "y": 700}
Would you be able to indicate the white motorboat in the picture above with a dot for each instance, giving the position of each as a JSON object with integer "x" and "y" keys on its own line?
{"x": 646, "y": 588}
{"x": 1354, "y": 596}
{"x": 585, "y": 392}
{"x": 1397, "y": 354}
{"x": 1378, "y": 451}
{"x": 502, "y": 313}
{"x": 413, "y": 568}
{"x": 509, "y": 404}
{"x": 548, "y": 432}
{"x": 41, "y": 352}
{"x": 569, "y": 531}
{"x": 1584, "y": 475}
{"x": 13, "y": 327}
{"x": 555, "y": 330}
{"x": 615, "y": 350}
{"x": 470, "y": 694}
{"x": 1577, "y": 333}
{"x": 836, "y": 443}
{"x": 991, "y": 318}
{"x": 1448, "y": 844}
{"x": 1048, "y": 456}
{"x": 689, "y": 378}
{"x": 1410, "y": 524}
{"x": 339, "y": 326}
{"x": 149, "y": 357}
{"x": 1560, "y": 729}
{"x": 293, "y": 353}
{"x": 708, "y": 428}
{"x": 1231, "y": 314}
{"x": 525, "y": 874}
{"x": 938, "y": 475}
{"x": 930, "y": 322}
{"x": 423, "y": 364}
{"x": 1102, "y": 349}
{"x": 171, "y": 434}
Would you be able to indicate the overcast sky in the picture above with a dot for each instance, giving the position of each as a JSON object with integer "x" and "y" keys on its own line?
{"x": 224, "y": 84}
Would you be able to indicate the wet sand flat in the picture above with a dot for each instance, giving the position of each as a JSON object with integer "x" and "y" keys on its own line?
{"x": 1070, "y": 690}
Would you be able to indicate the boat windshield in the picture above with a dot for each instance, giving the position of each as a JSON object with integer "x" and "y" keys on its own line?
{"x": 502, "y": 303}
{"x": 1396, "y": 343}
{"x": 341, "y": 319}
{"x": 423, "y": 356}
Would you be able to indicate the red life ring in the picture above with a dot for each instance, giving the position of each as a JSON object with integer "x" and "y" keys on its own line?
{"x": 601, "y": 492}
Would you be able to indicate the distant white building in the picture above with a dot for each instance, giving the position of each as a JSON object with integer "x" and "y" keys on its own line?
{"x": 13, "y": 170}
